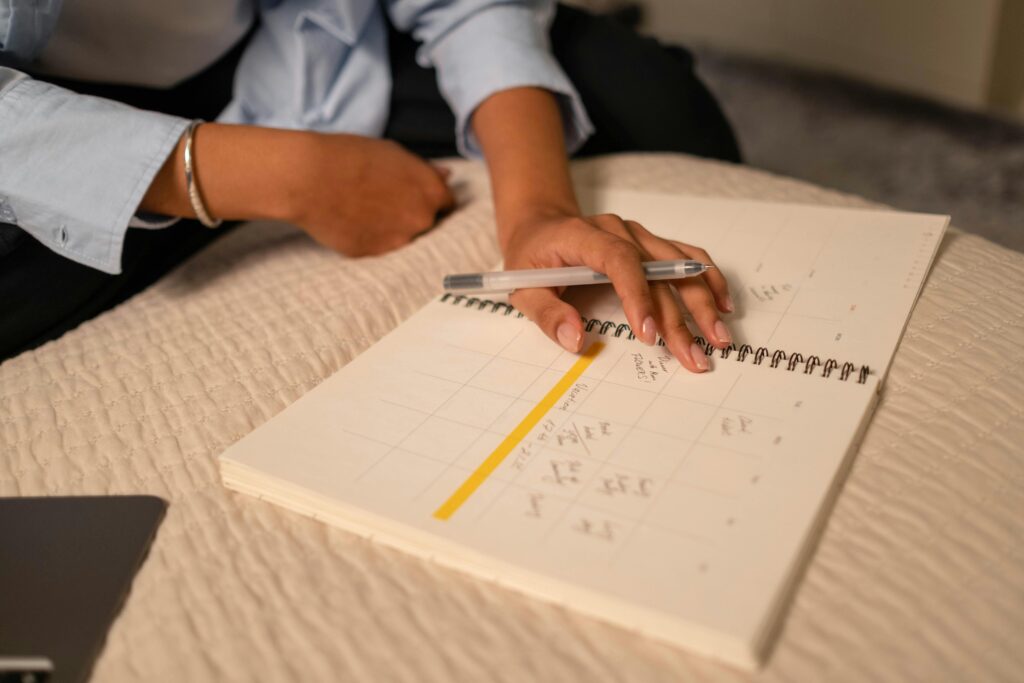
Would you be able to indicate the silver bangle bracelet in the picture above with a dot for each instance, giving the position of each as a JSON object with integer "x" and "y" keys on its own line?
{"x": 190, "y": 180}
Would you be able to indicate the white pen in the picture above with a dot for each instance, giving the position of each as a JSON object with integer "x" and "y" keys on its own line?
{"x": 511, "y": 280}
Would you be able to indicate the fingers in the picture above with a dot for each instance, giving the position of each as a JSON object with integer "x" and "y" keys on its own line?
{"x": 556, "y": 318}
{"x": 697, "y": 299}
{"x": 694, "y": 292}
{"x": 441, "y": 193}
{"x": 436, "y": 197}
{"x": 674, "y": 331}
{"x": 714, "y": 278}
{"x": 620, "y": 259}
{"x": 617, "y": 248}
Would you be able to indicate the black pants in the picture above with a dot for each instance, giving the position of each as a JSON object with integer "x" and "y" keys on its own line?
{"x": 640, "y": 96}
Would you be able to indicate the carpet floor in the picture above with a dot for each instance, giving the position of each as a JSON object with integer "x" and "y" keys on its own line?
{"x": 909, "y": 152}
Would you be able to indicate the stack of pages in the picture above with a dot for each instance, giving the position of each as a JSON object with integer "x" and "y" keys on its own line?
{"x": 615, "y": 482}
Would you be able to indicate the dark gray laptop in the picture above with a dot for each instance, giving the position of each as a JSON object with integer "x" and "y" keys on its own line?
{"x": 66, "y": 565}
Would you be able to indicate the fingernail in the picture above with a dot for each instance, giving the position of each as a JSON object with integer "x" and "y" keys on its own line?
{"x": 722, "y": 332}
{"x": 648, "y": 331}
{"x": 569, "y": 337}
{"x": 697, "y": 354}
{"x": 728, "y": 304}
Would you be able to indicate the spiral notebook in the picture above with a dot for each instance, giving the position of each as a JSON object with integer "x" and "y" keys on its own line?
{"x": 614, "y": 482}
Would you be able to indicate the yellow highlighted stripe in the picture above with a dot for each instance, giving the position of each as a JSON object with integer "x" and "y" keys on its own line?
{"x": 479, "y": 476}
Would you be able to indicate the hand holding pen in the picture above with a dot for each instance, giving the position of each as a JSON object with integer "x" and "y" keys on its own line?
{"x": 624, "y": 253}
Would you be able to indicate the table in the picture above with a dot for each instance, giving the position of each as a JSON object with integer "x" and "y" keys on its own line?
{"x": 919, "y": 573}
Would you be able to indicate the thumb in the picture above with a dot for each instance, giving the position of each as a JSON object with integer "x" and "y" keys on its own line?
{"x": 439, "y": 191}
{"x": 556, "y": 318}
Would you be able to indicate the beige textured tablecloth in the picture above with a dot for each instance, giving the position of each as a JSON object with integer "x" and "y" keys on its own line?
{"x": 919, "y": 574}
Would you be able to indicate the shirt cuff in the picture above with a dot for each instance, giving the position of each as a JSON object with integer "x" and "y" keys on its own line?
{"x": 498, "y": 48}
{"x": 76, "y": 168}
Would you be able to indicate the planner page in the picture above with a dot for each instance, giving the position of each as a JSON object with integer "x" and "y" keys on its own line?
{"x": 831, "y": 282}
{"x": 613, "y": 482}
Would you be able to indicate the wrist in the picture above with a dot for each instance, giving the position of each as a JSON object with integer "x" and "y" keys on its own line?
{"x": 526, "y": 216}
{"x": 237, "y": 175}
{"x": 252, "y": 173}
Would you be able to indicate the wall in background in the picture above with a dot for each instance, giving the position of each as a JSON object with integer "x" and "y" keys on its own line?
{"x": 968, "y": 52}
{"x": 1006, "y": 91}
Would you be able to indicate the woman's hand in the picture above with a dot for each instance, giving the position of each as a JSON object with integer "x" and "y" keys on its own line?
{"x": 540, "y": 226}
{"x": 363, "y": 196}
{"x": 617, "y": 247}
{"x": 357, "y": 195}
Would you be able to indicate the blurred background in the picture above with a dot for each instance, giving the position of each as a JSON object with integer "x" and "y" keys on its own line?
{"x": 915, "y": 103}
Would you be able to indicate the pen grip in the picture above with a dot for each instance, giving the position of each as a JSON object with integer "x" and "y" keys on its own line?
{"x": 507, "y": 281}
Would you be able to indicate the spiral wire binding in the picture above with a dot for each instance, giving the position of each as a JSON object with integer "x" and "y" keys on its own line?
{"x": 606, "y": 327}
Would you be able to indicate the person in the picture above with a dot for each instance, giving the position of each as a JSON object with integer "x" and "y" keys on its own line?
{"x": 326, "y": 113}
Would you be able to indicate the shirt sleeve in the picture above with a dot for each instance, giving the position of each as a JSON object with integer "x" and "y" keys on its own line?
{"x": 75, "y": 168}
{"x": 480, "y": 47}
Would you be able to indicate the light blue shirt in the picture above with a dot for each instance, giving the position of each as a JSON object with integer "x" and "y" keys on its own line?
{"x": 73, "y": 169}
